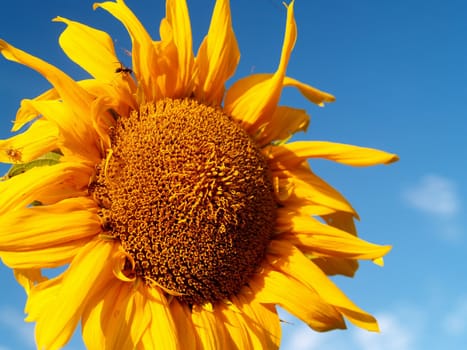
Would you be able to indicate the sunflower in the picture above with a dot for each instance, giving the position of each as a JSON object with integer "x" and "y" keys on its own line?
{"x": 177, "y": 211}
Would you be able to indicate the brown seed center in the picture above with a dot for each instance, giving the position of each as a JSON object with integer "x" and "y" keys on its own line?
{"x": 189, "y": 196}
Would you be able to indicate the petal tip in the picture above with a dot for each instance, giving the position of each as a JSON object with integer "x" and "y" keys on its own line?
{"x": 327, "y": 98}
{"x": 3, "y": 44}
{"x": 393, "y": 158}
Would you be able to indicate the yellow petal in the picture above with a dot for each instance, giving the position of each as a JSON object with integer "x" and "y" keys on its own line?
{"x": 292, "y": 154}
{"x": 285, "y": 122}
{"x": 178, "y": 19}
{"x": 120, "y": 92}
{"x": 314, "y": 237}
{"x": 28, "y": 277}
{"x": 379, "y": 261}
{"x": 252, "y": 82}
{"x": 236, "y": 327}
{"x": 143, "y": 53}
{"x": 121, "y": 97}
{"x": 43, "y": 226}
{"x": 292, "y": 262}
{"x": 139, "y": 313}
{"x": 57, "y": 305}
{"x": 210, "y": 331}
{"x": 341, "y": 220}
{"x": 311, "y": 93}
{"x": 182, "y": 317}
{"x": 172, "y": 78}
{"x": 262, "y": 320}
{"x": 47, "y": 184}
{"x": 337, "y": 266}
{"x": 40, "y": 138}
{"x": 306, "y": 188}
{"x": 76, "y": 100}
{"x": 93, "y": 314}
{"x": 166, "y": 65}
{"x": 41, "y": 296}
{"x": 72, "y": 139}
{"x": 162, "y": 332}
{"x": 90, "y": 48}
{"x": 106, "y": 319}
{"x": 107, "y": 96}
{"x": 304, "y": 207}
{"x": 26, "y": 112}
{"x": 297, "y": 298}
{"x": 45, "y": 257}
{"x": 345, "y": 222}
{"x": 252, "y": 104}
{"x": 217, "y": 57}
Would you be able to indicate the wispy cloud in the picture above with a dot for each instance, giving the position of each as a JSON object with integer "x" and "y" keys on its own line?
{"x": 434, "y": 194}
{"x": 301, "y": 337}
{"x": 12, "y": 321}
{"x": 438, "y": 197}
{"x": 455, "y": 322}
{"x": 394, "y": 335}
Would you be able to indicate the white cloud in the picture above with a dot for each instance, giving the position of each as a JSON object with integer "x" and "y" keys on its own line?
{"x": 435, "y": 195}
{"x": 298, "y": 336}
{"x": 13, "y": 322}
{"x": 303, "y": 338}
{"x": 394, "y": 335}
{"x": 400, "y": 330}
{"x": 455, "y": 322}
{"x": 439, "y": 197}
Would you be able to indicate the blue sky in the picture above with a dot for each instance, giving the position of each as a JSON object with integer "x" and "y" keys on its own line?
{"x": 399, "y": 72}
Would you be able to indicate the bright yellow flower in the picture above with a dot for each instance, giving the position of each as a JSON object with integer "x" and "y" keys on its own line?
{"x": 179, "y": 211}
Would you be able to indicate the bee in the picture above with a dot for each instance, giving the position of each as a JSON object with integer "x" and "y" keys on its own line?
{"x": 15, "y": 155}
{"x": 123, "y": 69}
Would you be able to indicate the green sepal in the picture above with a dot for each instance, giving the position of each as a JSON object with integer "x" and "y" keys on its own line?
{"x": 47, "y": 159}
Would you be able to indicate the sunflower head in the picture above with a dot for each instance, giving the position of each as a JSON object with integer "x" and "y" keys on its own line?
{"x": 182, "y": 180}
{"x": 179, "y": 212}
